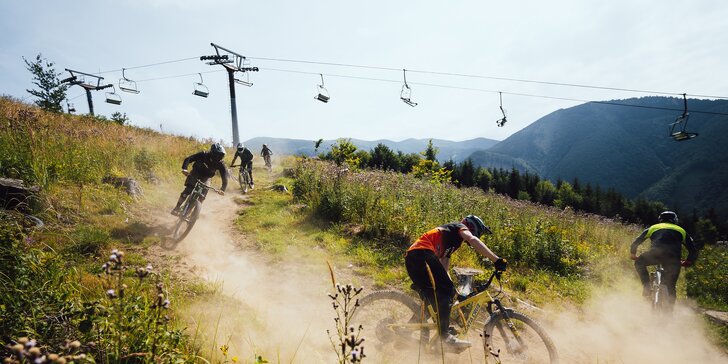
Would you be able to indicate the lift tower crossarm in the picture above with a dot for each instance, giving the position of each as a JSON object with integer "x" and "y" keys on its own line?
{"x": 237, "y": 64}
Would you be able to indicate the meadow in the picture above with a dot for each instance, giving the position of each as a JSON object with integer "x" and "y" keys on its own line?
{"x": 82, "y": 286}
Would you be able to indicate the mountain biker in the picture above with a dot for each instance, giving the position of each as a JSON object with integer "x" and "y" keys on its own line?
{"x": 666, "y": 248}
{"x": 246, "y": 160}
{"x": 204, "y": 165}
{"x": 433, "y": 249}
{"x": 266, "y": 153}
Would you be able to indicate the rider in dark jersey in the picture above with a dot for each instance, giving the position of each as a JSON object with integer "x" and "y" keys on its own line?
{"x": 433, "y": 249}
{"x": 204, "y": 166}
{"x": 246, "y": 160}
{"x": 666, "y": 249}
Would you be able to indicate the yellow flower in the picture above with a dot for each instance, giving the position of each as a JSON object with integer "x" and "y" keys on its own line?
{"x": 224, "y": 350}
{"x": 235, "y": 359}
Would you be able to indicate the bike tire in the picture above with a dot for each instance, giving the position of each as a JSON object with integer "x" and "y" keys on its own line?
{"x": 186, "y": 221}
{"x": 533, "y": 345}
{"x": 660, "y": 298}
{"x": 381, "y": 308}
{"x": 244, "y": 180}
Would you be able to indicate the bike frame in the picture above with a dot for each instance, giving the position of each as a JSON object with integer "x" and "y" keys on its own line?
{"x": 478, "y": 300}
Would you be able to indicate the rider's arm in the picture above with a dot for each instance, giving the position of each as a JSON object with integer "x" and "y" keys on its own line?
{"x": 191, "y": 159}
{"x": 692, "y": 250}
{"x": 478, "y": 245}
{"x": 223, "y": 174}
{"x": 636, "y": 243}
{"x": 235, "y": 157}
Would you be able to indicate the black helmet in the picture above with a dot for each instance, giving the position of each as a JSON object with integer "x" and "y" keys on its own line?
{"x": 240, "y": 146}
{"x": 476, "y": 225}
{"x": 668, "y": 216}
{"x": 217, "y": 151}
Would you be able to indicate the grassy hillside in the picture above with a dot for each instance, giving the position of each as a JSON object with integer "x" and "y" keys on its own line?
{"x": 55, "y": 289}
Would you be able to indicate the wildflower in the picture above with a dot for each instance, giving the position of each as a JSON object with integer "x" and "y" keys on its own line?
{"x": 74, "y": 345}
{"x": 235, "y": 359}
{"x": 224, "y": 350}
{"x": 166, "y": 304}
{"x": 17, "y": 349}
{"x": 111, "y": 293}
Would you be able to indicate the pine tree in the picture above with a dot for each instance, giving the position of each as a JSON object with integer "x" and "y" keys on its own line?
{"x": 52, "y": 92}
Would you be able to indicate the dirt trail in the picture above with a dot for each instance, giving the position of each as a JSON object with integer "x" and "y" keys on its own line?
{"x": 277, "y": 308}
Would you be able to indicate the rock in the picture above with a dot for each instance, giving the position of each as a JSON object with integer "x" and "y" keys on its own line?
{"x": 130, "y": 185}
{"x": 279, "y": 188}
{"x": 14, "y": 195}
{"x": 718, "y": 316}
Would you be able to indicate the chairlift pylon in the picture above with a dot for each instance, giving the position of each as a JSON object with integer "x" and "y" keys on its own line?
{"x": 502, "y": 121}
{"x": 112, "y": 97}
{"x": 323, "y": 94}
{"x": 199, "y": 88}
{"x": 678, "y": 130}
{"x": 406, "y": 94}
{"x": 126, "y": 84}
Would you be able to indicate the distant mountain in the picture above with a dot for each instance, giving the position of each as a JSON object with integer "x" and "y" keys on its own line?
{"x": 628, "y": 148}
{"x": 458, "y": 151}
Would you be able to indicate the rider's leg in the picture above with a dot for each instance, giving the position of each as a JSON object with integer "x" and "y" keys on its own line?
{"x": 182, "y": 197}
{"x": 416, "y": 262}
{"x": 671, "y": 265}
{"x": 649, "y": 257}
{"x": 250, "y": 171}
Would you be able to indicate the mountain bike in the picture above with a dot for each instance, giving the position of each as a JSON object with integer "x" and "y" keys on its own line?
{"x": 268, "y": 165}
{"x": 244, "y": 178}
{"x": 190, "y": 210}
{"x": 396, "y": 319}
{"x": 658, "y": 290}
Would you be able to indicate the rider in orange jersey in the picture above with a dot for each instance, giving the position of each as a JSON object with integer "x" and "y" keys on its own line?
{"x": 433, "y": 249}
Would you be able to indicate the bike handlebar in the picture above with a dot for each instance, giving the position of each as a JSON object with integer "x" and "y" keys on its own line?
{"x": 208, "y": 186}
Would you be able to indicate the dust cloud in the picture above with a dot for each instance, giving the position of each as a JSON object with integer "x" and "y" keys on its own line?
{"x": 619, "y": 326}
{"x": 279, "y": 309}
{"x": 275, "y": 308}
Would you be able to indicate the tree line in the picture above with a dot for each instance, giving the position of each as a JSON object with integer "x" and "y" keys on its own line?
{"x": 586, "y": 198}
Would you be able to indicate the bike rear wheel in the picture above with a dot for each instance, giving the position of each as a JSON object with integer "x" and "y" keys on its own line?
{"x": 379, "y": 312}
{"x": 186, "y": 220}
{"x": 660, "y": 298}
{"x": 523, "y": 341}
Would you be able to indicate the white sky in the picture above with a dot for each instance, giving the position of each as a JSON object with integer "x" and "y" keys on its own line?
{"x": 668, "y": 45}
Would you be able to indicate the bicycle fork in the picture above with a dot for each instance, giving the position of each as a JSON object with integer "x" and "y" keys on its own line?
{"x": 514, "y": 346}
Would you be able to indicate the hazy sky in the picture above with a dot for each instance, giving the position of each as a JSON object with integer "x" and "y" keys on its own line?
{"x": 668, "y": 46}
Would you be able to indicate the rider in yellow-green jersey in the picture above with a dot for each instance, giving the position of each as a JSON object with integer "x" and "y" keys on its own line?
{"x": 667, "y": 241}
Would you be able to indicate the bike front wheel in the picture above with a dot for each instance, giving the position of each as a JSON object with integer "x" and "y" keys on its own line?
{"x": 244, "y": 180}
{"x": 518, "y": 339}
{"x": 391, "y": 317}
{"x": 186, "y": 221}
{"x": 660, "y": 298}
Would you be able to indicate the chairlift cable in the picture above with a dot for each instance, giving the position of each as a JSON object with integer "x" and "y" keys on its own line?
{"x": 149, "y": 65}
{"x": 488, "y": 77}
{"x": 565, "y": 84}
{"x": 491, "y": 91}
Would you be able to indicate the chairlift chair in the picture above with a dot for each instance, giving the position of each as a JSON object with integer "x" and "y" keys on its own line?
{"x": 246, "y": 82}
{"x": 502, "y": 121}
{"x": 199, "y": 88}
{"x": 406, "y": 94}
{"x": 112, "y": 97}
{"x": 677, "y": 128}
{"x": 126, "y": 84}
{"x": 323, "y": 94}
{"x": 70, "y": 107}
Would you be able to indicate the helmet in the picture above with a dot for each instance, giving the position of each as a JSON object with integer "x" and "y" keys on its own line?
{"x": 265, "y": 146}
{"x": 217, "y": 151}
{"x": 240, "y": 146}
{"x": 476, "y": 225}
{"x": 668, "y": 216}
